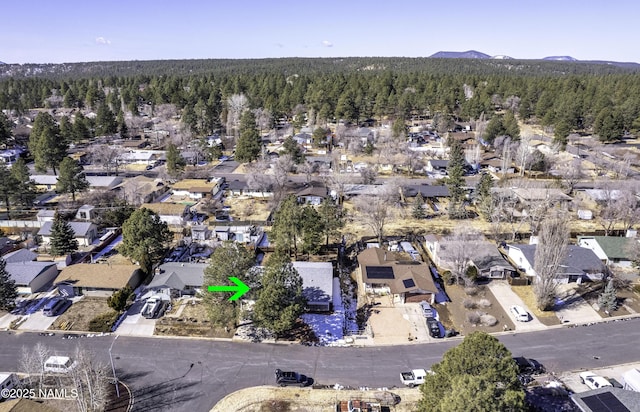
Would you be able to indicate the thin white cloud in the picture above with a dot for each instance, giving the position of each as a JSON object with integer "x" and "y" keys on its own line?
{"x": 103, "y": 41}
{"x": 327, "y": 43}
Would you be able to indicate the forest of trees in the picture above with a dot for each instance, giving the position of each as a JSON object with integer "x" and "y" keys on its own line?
{"x": 604, "y": 99}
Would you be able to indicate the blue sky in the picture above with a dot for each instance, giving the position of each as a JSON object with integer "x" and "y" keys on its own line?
{"x": 73, "y": 31}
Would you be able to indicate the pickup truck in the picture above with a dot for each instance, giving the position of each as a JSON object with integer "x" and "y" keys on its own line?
{"x": 358, "y": 406}
{"x": 291, "y": 379}
{"x": 413, "y": 378}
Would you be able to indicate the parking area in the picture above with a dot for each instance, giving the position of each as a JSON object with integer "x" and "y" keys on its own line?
{"x": 573, "y": 383}
{"x": 135, "y": 324}
{"x": 506, "y": 297}
{"x": 397, "y": 323}
{"x": 571, "y": 308}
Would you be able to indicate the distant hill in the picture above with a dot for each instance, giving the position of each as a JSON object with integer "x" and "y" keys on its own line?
{"x": 561, "y": 58}
{"x": 469, "y": 54}
{"x": 3, "y": 63}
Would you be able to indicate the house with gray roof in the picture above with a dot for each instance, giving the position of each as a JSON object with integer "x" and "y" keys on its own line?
{"x": 607, "y": 399}
{"x": 579, "y": 264}
{"x": 178, "y": 278}
{"x": 317, "y": 284}
{"x": 32, "y": 277}
{"x": 20, "y": 255}
{"x": 85, "y": 232}
{"x": 612, "y": 250}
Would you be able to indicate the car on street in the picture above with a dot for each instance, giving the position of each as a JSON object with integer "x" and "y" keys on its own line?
{"x": 594, "y": 381}
{"x": 290, "y": 378}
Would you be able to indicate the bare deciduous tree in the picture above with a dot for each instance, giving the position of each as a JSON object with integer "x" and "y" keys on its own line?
{"x": 523, "y": 153}
{"x": 571, "y": 173}
{"x": 458, "y": 250}
{"x": 236, "y": 105}
{"x": 257, "y": 177}
{"x": 550, "y": 252}
{"x": 374, "y": 210}
{"x": 281, "y": 170}
{"x": 308, "y": 169}
{"x": 109, "y": 157}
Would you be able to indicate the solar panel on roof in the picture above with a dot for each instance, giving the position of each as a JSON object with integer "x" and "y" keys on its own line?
{"x": 379, "y": 272}
{"x": 604, "y": 402}
{"x": 408, "y": 283}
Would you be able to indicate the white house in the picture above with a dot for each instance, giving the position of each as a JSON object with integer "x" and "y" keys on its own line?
{"x": 317, "y": 284}
{"x": 613, "y": 250}
{"x": 580, "y": 264}
{"x": 85, "y": 232}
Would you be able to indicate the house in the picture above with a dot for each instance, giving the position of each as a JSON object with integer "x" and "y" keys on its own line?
{"x": 613, "y": 250}
{"x": 384, "y": 272}
{"x": 312, "y": 194}
{"x": 303, "y": 139}
{"x": 238, "y": 188}
{"x": 145, "y": 157}
{"x": 170, "y": 213}
{"x": 196, "y": 189}
{"x": 177, "y": 278}
{"x": 9, "y": 156}
{"x": 552, "y": 195}
{"x": 85, "y": 232}
{"x": 45, "y": 183}
{"x": 20, "y": 255}
{"x": 482, "y": 254}
{"x": 607, "y": 399}
{"x": 103, "y": 182}
{"x": 433, "y": 192}
{"x": 86, "y": 212}
{"x": 32, "y": 277}
{"x": 98, "y": 279}
{"x": 141, "y": 189}
{"x": 580, "y": 264}
{"x": 200, "y": 233}
{"x": 317, "y": 284}
{"x": 45, "y": 215}
{"x": 437, "y": 166}
{"x": 496, "y": 165}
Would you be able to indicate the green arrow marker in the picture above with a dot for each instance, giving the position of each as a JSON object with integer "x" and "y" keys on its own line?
{"x": 240, "y": 288}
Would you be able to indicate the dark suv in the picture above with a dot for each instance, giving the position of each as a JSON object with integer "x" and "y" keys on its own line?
{"x": 291, "y": 379}
{"x": 434, "y": 327}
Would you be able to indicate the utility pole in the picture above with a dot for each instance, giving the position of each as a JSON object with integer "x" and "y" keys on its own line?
{"x": 113, "y": 368}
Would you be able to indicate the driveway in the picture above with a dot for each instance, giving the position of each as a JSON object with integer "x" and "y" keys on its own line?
{"x": 571, "y": 308}
{"x": 37, "y": 321}
{"x": 507, "y": 298}
{"x": 135, "y": 324}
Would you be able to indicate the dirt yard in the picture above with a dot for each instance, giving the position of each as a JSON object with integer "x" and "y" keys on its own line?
{"x": 78, "y": 316}
{"x": 244, "y": 208}
{"x": 268, "y": 399}
{"x": 454, "y": 315}
{"x": 193, "y": 321}
{"x": 628, "y": 300}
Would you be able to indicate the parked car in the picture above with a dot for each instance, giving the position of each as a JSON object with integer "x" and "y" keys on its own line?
{"x": 529, "y": 366}
{"x": 594, "y": 381}
{"x": 434, "y": 327}
{"x": 414, "y": 377}
{"x": 427, "y": 310}
{"x": 153, "y": 307}
{"x": 56, "y": 306}
{"x": 519, "y": 313}
{"x": 291, "y": 378}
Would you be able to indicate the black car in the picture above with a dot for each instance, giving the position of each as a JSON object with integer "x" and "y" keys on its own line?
{"x": 291, "y": 379}
{"x": 529, "y": 366}
{"x": 434, "y": 327}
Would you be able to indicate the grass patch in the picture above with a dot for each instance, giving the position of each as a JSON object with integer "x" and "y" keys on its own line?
{"x": 525, "y": 293}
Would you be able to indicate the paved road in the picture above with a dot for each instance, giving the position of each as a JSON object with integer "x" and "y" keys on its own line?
{"x": 193, "y": 374}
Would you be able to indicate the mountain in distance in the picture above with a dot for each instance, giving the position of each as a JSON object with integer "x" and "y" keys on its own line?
{"x": 561, "y": 58}
{"x": 3, "y": 63}
{"x": 469, "y": 54}
{"x": 502, "y": 57}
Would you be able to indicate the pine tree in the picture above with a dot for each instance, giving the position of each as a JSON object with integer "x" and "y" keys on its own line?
{"x": 63, "y": 238}
{"x": 249, "y": 144}
{"x": 484, "y": 199}
{"x": 8, "y": 289}
{"x": 418, "y": 207}
{"x": 330, "y": 218}
{"x": 8, "y": 187}
{"x": 608, "y": 300}
{"x": 175, "y": 162}
{"x": 71, "y": 178}
{"x": 45, "y": 143}
{"x": 455, "y": 180}
{"x": 26, "y": 189}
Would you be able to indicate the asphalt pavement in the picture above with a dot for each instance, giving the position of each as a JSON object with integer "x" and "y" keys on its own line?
{"x": 177, "y": 374}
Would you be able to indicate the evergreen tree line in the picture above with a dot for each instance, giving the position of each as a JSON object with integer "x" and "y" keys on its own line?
{"x": 601, "y": 99}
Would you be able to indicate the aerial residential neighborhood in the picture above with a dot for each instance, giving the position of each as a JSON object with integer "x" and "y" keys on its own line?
{"x": 456, "y": 232}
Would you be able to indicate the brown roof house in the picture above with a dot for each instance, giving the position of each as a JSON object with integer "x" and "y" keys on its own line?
{"x": 98, "y": 279}
{"x": 384, "y": 272}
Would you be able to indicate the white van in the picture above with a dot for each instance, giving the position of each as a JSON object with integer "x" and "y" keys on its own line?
{"x": 58, "y": 364}
{"x": 519, "y": 313}
{"x": 8, "y": 381}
